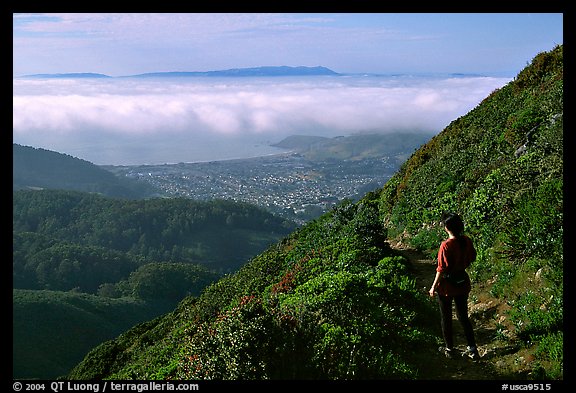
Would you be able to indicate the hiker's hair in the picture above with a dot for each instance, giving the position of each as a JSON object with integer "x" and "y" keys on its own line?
{"x": 454, "y": 224}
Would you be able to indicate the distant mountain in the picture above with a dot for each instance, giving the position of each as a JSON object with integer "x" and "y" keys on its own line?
{"x": 264, "y": 71}
{"x": 76, "y": 75}
{"x": 234, "y": 72}
{"x": 302, "y": 142}
{"x": 36, "y": 168}
{"x": 356, "y": 147}
{"x": 243, "y": 72}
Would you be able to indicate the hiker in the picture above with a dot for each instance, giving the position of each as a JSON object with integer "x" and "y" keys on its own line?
{"x": 452, "y": 283}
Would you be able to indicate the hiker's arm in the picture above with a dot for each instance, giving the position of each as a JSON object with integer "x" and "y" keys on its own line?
{"x": 434, "y": 284}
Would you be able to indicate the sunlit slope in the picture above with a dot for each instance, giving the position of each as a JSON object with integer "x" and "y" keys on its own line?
{"x": 501, "y": 167}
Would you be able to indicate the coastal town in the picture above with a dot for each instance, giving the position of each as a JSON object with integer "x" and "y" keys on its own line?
{"x": 289, "y": 184}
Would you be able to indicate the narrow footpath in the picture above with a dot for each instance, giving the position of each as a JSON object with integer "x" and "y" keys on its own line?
{"x": 486, "y": 314}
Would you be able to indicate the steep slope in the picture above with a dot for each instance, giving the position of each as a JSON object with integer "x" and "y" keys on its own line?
{"x": 334, "y": 301}
{"x": 501, "y": 168}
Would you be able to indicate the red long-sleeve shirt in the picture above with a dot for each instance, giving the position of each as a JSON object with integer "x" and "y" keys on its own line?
{"x": 451, "y": 257}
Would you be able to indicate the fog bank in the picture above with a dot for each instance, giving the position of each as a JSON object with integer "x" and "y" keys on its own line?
{"x": 135, "y": 121}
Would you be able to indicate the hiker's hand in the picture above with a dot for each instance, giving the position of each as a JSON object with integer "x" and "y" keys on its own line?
{"x": 431, "y": 291}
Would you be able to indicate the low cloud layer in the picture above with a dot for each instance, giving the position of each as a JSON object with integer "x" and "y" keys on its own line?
{"x": 87, "y": 115}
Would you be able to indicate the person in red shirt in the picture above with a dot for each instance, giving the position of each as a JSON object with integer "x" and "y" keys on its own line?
{"x": 452, "y": 283}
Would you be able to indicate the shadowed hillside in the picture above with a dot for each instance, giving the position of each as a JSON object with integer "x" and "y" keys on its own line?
{"x": 35, "y": 168}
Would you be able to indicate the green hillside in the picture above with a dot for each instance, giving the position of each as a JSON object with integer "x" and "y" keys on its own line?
{"x": 334, "y": 301}
{"x": 35, "y": 168}
{"x": 396, "y": 145}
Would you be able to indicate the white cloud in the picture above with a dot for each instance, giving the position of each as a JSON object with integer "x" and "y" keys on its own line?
{"x": 139, "y": 110}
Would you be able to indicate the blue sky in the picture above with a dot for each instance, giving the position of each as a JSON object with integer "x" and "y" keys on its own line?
{"x": 127, "y": 44}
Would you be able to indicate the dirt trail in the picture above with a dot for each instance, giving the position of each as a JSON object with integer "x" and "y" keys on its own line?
{"x": 486, "y": 315}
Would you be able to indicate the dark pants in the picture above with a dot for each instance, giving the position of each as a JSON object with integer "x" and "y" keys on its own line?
{"x": 445, "y": 303}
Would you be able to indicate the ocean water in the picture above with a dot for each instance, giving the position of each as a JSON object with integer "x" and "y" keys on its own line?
{"x": 173, "y": 149}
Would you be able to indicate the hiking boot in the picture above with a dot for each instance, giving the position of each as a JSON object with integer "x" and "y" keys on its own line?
{"x": 472, "y": 353}
{"x": 448, "y": 352}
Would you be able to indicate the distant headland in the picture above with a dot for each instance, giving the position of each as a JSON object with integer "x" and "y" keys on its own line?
{"x": 265, "y": 71}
